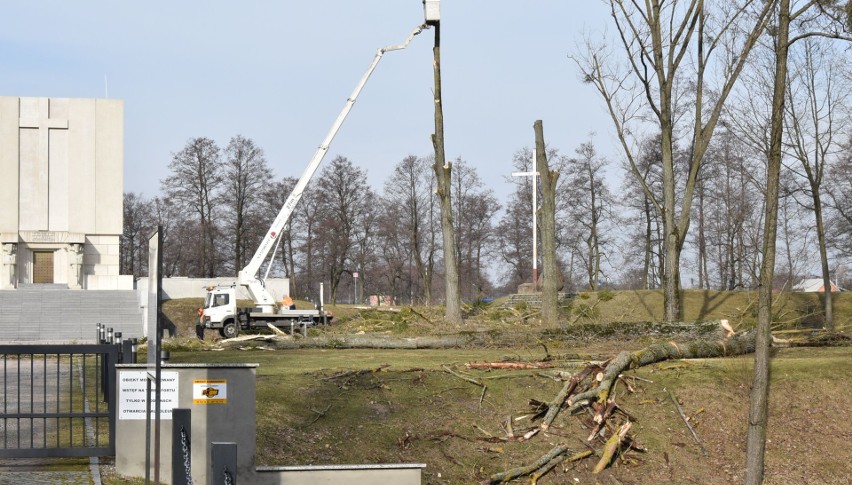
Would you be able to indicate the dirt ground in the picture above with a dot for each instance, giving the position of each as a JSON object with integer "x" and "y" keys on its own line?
{"x": 413, "y": 410}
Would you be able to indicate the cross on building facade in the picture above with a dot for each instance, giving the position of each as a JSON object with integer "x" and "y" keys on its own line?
{"x": 61, "y": 192}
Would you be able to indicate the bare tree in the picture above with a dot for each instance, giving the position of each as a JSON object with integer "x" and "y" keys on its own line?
{"x": 393, "y": 250}
{"x": 645, "y": 222}
{"x": 305, "y": 227}
{"x": 809, "y": 14}
{"x": 817, "y": 111}
{"x": 474, "y": 206}
{"x": 195, "y": 185}
{"x": 273, "y": 198}
{"x": 590, "y": 207}
{"x": 729, "y": 205}
{"x": 246, "y": 175}
{"x": 840, "y": 204}
{"x": 514, "y": 242}
{"x": 364, "y": 259}
{"x": 411, "y": 210}
{"x": 139, "y": 223}
{"x": 344, "y": 203}
{"x": 180, "y": 237}
{"x": 661, "y": 40}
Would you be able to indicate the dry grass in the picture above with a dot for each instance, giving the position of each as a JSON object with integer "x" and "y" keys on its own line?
{"x": 415, "y": 411}
{"x": 791, "y": 310}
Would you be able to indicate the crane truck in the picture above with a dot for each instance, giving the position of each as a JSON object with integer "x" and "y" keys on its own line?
{"x": 220, "y": 306}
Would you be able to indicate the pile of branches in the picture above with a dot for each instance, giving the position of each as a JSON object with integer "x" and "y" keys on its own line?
{"x": 589, "y": 395}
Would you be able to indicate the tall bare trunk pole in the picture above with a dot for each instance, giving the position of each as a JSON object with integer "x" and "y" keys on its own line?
{"x": 550, "y": 278}
{"x": 443, "y": 173}
{"x": 758, "y": 414}
{"x": 823, "y": 256}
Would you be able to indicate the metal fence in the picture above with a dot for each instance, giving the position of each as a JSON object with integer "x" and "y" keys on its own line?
{"x": 58, "y": 400}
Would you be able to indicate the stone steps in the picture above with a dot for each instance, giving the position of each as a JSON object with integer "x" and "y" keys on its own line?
{"x": 533, "y": 300}
{"x": 56, "y": 314}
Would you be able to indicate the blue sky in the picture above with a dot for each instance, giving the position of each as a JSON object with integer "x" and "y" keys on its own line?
{"x": 279, "y": 73}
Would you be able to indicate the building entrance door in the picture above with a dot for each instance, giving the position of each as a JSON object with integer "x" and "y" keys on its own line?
{"x": 43, "y": 267}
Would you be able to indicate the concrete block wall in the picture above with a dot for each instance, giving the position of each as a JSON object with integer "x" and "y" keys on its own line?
{"x": 232, "y": 421}
{"x": 174, "y": 288}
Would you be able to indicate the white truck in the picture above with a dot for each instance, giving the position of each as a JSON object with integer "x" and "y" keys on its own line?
{"x": 221, "y": 311}
{"x": 220, "y": 306}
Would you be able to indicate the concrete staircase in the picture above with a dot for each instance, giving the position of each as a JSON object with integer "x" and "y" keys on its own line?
{"x": 53, "y": 313}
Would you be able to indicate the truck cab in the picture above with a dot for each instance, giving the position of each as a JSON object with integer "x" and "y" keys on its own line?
{"x": 220, "y": 310}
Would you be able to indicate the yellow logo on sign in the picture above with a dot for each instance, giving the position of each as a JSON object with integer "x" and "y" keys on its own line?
{"x": 209, "y": 391}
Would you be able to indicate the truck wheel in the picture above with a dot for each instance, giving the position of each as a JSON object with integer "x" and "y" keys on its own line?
{"x": 230, "y": 330}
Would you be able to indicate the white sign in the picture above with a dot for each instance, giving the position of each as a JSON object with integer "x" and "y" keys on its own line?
{"x": 131, "y": 394}
{"x": 210, "y": 391}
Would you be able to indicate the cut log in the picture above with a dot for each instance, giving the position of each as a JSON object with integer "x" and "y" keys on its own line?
{"x": 523, "y": 471}
{"x": 554, "y": 406}
{"x": 277, "y": 331}
{"x": 508, "y": 365}
{"x": 698, "y": 349}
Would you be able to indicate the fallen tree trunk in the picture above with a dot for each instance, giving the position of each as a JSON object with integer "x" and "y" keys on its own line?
{"x": 699, "y": 349}
{"x": 603, "y": 377}
{"x": 508, "y": 365}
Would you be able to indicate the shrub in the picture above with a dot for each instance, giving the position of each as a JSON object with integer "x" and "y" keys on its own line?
{"x": 584, "y": 310}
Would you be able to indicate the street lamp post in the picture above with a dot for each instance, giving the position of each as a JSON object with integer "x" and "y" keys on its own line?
{"x": 534, "y": 176}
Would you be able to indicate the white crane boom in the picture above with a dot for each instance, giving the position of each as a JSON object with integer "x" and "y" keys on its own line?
{"x": 248, "y": 276}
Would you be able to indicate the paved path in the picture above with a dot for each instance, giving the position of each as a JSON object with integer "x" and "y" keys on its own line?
{"x": 25, "y": 391}
{"x": 44, "y": 471}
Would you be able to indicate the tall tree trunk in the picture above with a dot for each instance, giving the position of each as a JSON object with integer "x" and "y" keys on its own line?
{"x": 648, "y": 263}
{"x": 823, "y": 256}
{"x": 594, "y": 240}
{"x": 550, "y": 278}
{"x": 702, "y": 242}
{"x": 443, "y": 173}
{"x": 759, "y": 401}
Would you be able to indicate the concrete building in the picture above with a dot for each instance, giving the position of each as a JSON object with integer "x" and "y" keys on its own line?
{"x": 61, "y": 192}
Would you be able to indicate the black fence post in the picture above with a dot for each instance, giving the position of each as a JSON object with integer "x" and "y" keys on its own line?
{"x": 181, "y": 446}
{"x": 106, "y": 363}
{"x": 128, "y": 352}
{"x": 120, "y": 348}
{"x": 112, "y": 396}
{"x": 224, "y": 463}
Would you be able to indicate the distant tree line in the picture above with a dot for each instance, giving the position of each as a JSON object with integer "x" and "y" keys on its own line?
{"x": 216, "y": 205}
{"x": 694, "y": 139}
